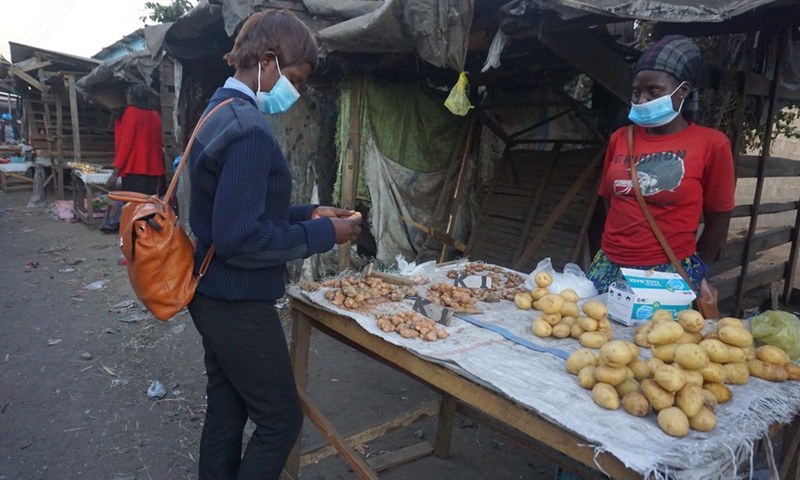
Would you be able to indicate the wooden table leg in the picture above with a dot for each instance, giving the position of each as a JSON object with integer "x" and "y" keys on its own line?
{"x": 790, "y": 451}
{"x": 298, "y": 351}
{"x": 444, "y": 430}
{"x": 3, "y": 184}
{"x": 89, "y": 206}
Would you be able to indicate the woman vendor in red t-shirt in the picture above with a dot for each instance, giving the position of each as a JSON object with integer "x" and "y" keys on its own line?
{"x": 684, "y": 170}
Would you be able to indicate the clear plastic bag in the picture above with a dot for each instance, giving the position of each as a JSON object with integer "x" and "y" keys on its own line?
{"x": 410, "y": 269}
{"x": 458, "y": 101}
{"x": 572, "y": 277}
{"x": 781, "y": 329}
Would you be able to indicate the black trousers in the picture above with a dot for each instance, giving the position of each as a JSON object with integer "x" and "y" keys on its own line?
{"x": 249, "y": 375}
{"x": 147, "y": 184}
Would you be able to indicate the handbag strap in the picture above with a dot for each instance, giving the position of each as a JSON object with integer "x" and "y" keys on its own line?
{"x": 173, "y": 185}
{"x": 649, "y": 216}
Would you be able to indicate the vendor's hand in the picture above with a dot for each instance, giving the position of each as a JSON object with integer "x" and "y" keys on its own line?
{"x": 332, "y": 212}
{"x": 347, "y": 230}
{"x": 112, "y": 181}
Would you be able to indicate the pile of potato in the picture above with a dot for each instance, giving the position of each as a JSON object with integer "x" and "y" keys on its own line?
{"x": 353, "y": 292}
{"x": 560, "y": 316}
{"x": 687, "y": 376}
{"x": 410, "y": 324}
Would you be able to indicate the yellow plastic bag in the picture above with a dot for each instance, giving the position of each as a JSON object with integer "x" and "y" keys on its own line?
{"x": 458, "y": 101}
{"x": 781, "y": 329}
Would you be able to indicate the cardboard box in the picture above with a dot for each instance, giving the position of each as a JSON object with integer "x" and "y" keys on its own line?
{"x": 633, "y": 301}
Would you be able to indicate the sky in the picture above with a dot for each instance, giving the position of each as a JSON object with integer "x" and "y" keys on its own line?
{"x": 77, "y": 27}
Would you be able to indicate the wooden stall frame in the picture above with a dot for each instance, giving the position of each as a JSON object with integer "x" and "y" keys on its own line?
{"x": 445, "y": 381}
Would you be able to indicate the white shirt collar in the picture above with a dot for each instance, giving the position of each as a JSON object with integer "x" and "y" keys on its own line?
{"x": 240, "y": 86}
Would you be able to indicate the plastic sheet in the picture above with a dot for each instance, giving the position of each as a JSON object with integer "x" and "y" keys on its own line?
{"x": 781, "y": 329}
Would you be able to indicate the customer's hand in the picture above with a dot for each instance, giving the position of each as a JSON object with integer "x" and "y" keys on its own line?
{"x": 332, "y": 212}
{"x": 112, "y": 181}
{"x": 347, "y": 230}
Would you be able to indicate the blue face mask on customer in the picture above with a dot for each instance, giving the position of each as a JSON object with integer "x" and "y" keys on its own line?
{"x": 655, "y": 113}
{"x": 280, "y": 98}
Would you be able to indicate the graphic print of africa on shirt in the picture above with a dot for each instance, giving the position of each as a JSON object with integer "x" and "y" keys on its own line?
{"x": 658, "y": 172}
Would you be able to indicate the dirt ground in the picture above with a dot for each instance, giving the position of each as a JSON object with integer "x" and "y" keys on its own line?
{"x": 76, "y": 364}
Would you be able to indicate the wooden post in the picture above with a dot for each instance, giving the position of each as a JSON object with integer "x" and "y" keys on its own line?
{"x": 351, "y": 166}
{"x": 60, "y": 147}
{"x": 457, "y": 193}
{"x": 444, "y": 430}
{"x": 298, "y": 351}
{"x": 762, "y": 160}
{"x": 73, "y": 110}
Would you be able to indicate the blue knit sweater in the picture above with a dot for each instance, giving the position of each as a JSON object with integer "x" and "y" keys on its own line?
{"x": 240, "y": 192}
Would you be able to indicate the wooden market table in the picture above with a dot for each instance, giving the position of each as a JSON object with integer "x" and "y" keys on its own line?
{"x": 16, "y": 171}
{"x": 84, "y": 186}
{"x": 458, "y": 394}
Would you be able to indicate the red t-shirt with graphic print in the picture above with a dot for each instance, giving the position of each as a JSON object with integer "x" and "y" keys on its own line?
{"x": 680, "y": 175}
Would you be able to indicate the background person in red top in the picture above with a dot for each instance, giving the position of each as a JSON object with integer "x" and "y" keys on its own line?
{"x": 685, "y": 170}
{"x": 139, "y": 149}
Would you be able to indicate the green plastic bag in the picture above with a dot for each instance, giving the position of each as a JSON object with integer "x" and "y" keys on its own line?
{"x": 458, "y": 101}
{"x": 781, "y": 329}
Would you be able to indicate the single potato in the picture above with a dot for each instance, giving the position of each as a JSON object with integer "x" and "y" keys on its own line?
{"x": 610, "y": 375}
{"x": 551, "y": 303}
{"x": 691, "y": 357}
{"x": 583, "y": 357}
{"x": 767, "y": 371}
{"x": 711, "y": 335}
{"x": 725, "y": 321}
{"x": 561, "y": 330}
{"x": 593, "y": 339}
{"x": 694, "y": 377}
{"x": 586, "y": 378}
{"x": 628, "y": 386}
{"x": 704, "y": 421}
{"x": 543, "y": 279}
{"x": 736, "y": 373}
{"x": 665, "y": 333}
{"x": 721, "y": 392}
{"x": 750, "y": 353}
{"x": 738, "y": 337}
{"x": 595, "y": 309}
{"x": 709, "y": 400}
{"x": 523, "y": 300}
{"x": 740, "y": 355}
{"x": 576, "y": 331}
{"x": 552, "y": 318}
{"x": 713, "y": 373}
{"x": 616, "y": 353}
{"x": 691, "y": 320}
{"x": 662, "y": 316}
{"x": 588, "y": 324}
{"x": 792, "y": 371}
{"x": 654, "y": 363}
{"x": 605, "y": 396}
{"x": 669, "y": 378}
{"x": 634, "y": 350}
{"x": 570, "y": 295}
{"x": 541, "y": 328}
{"x": 772, "y": 354}
{"x": 690, "y": 338}
{"x": 603, "y": 325}
{"x": 569, "y": 321}
{"x": 673, "y": 421}
{"x": 690, "y": 399}
{"x": 538, "y": 293}
{"x": 658, "y": 397}
{"x": 716, "y": 350}
{"x": 640, "y": 370}
{"x": 665, "y": 353}
{"x": 570, "y": 309}
{"x": 636, "y": 404}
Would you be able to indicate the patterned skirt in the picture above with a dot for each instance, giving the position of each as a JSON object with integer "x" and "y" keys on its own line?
{"x": 603, "y": 272}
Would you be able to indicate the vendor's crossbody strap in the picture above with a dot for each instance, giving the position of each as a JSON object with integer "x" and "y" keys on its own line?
{"x": 649, "y": 216}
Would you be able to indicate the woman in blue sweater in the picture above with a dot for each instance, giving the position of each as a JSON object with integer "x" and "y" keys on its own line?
{"x": 240, "y": 193}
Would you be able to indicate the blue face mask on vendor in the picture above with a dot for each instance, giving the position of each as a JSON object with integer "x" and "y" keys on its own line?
{"x": 655, "y": 113}
{"x": 280, "y": 98}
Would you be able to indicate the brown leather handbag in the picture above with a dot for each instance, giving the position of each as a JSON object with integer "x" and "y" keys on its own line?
{"x": 159, "y": 253}
{"x": 707, "y": 296}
